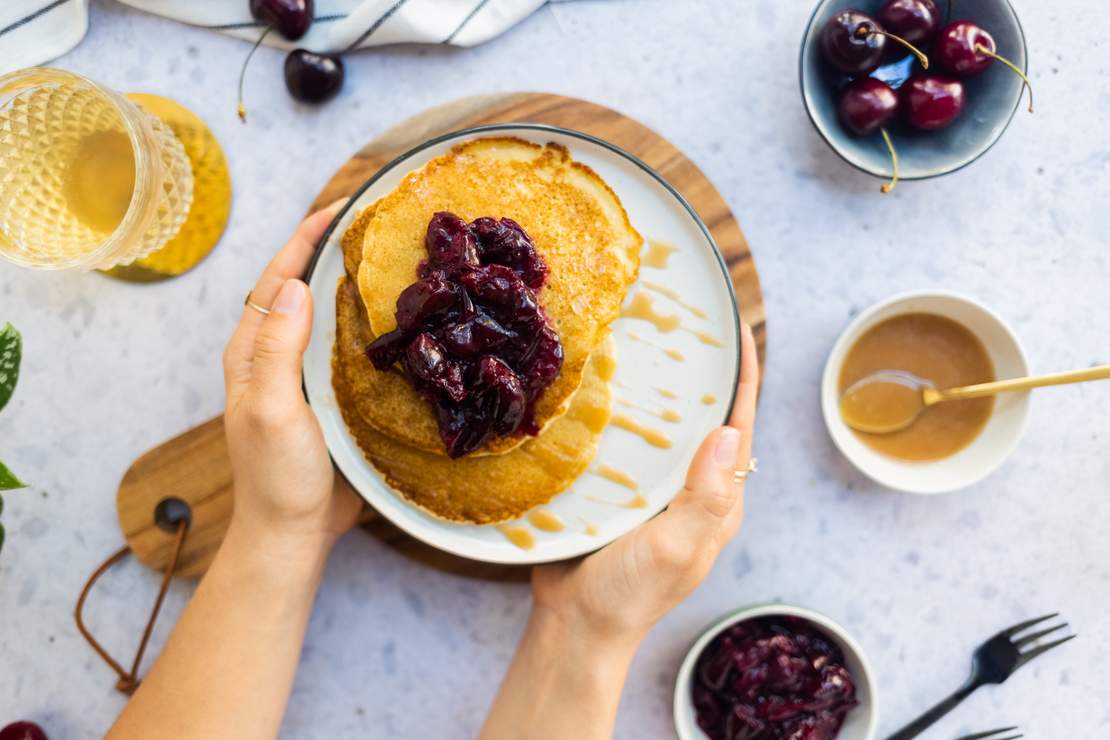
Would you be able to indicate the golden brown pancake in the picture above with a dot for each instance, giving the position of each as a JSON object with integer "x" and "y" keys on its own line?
{"x": 479, "y": 490}
{"x": 578, "y": 226}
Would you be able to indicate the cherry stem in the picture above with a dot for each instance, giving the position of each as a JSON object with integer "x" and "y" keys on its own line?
{"x": 893, "y": 162}
{"x": 987, "y": 52}
{"x": 242, "y": 108}
{"x": 866, "y": 30}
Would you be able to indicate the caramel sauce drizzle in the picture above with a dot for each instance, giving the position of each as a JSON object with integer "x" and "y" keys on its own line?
{"x": 658, "y": 254}
{"x": 589, "y": 528}
{"x": 619, "y": 477}
{"x": 669, "y": 415}
{"x": 652, "y": 436}
{"x": 704, "y": 338}
{"x": 674, "y": 354}
{"x": 709, "y": 399}
{"x": 675, "y": 296}
{"x": 519, "y": 536}
{"x": 545, "y": 521}
{"x": 636, "y": 502}
{"x": 667, "y": 393}
{"x": 643, "y": 309}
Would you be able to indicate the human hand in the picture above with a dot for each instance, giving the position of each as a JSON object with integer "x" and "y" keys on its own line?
{"x": 588, "y": 616}
{"x": 619, "y": 592}
{"x": 285, "y": 483}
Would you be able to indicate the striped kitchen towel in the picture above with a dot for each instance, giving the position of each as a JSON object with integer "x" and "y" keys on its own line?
{"x": 34, "y": 31}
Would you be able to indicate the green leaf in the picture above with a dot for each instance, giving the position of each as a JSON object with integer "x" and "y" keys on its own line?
{"x": 8, "y": 481}
{"x": 1, "y": 536}
{"x": 11, "y": 351}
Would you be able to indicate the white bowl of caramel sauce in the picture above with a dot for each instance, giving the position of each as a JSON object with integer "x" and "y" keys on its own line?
{"x": 949, "y": 340}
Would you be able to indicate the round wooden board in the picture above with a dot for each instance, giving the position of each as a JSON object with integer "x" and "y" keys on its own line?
{"x": 164, "y": 469}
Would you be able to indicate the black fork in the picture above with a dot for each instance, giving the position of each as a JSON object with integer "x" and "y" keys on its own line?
{"x": 994, "y": 661}
{"x": 993, "y": 735}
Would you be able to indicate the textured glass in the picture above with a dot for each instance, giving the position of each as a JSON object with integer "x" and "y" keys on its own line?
{"x": 60, "y": 150}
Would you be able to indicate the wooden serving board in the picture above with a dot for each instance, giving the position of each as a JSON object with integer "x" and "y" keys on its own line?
{"x": 195, "y": 465}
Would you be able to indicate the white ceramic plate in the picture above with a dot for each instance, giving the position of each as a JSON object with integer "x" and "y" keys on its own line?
{"x": 696, "y": 271}
{"x": 993, "y": 445}
{"x": 861, "y": 722}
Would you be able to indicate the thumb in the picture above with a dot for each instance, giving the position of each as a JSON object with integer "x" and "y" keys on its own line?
{"x": 281, "y": 342}
{"x": 710, "y": 494}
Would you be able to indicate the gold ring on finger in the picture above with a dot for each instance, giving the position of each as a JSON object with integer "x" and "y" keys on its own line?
{"x": 741, "y": 474}
{"x": 261, "y": 309}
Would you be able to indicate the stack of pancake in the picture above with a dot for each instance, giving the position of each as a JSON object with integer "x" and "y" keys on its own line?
{"x": 592, "y": 252}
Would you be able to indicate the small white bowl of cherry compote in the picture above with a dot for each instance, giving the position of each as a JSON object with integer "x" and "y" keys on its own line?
{"x": 775, "y": 672}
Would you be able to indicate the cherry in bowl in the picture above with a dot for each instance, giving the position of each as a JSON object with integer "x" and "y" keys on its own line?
{"x": 991, "y": 97}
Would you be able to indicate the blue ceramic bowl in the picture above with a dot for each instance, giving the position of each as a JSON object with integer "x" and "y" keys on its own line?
{"x": 992, "y": 97}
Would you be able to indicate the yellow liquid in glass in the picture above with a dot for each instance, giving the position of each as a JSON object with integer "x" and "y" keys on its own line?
{"x": 87, "y": 179}
{"x": 100, "y": 180}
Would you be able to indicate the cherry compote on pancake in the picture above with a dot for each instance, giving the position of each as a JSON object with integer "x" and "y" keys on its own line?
{"x": 471, "y": 335}
{"x": 774, "y": 678}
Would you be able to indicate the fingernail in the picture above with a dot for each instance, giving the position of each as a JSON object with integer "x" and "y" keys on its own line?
{"x": 291, "y": 297}
{"x": 728, "y": 447}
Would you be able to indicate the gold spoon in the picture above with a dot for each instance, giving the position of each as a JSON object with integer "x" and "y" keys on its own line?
{"x": 890, "y": 400}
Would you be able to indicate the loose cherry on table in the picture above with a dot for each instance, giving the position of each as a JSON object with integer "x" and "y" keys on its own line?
{"x": 932, "y": 102}
{"x": 290, "y": 18}
{"x": 855, "y": 43}
{"x": 22, "y": 731}
{"x": 866, "y": 106}
{"x": 917, "y": 21}
{"x": 311, "y": 77}
{"x": 964, "y": 49}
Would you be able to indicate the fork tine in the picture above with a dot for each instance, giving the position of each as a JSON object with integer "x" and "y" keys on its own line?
{"x": 1026, "y": 625}
{"x": 1037, "y": 635}
{"x": 989, "y": 733}
{"x": 1029, "y": 655}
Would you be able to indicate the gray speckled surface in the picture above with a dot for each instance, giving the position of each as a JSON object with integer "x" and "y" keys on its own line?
{"x": 397, "y": 650}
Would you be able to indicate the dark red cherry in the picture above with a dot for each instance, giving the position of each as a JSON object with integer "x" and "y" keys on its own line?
{"x": 932, "y": 102}
{"x": 424, "y": 299}
{"x": 849, "y": 45}
{"x": 543, "y": 359}
{"x": 387, "y": 349}
{"x": 505, "y": 242}
{"x": 964, "y": 49}
{"x": 290, "y": 18}
{"x": 855, "y": 43}
{"x": 501, "y": 290}
{"x": 502, "y": 395}
{"x": 22, "y": 731}
{"x": 462, "y": 428}
{"x": 475, "y": 336}
{"x": 427, "y": 363}
{"x": 311, "y": 77}
{"x": 866, "y": 105}
{"x": 450, "y": 243}
{"x": 917, "y": 21}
